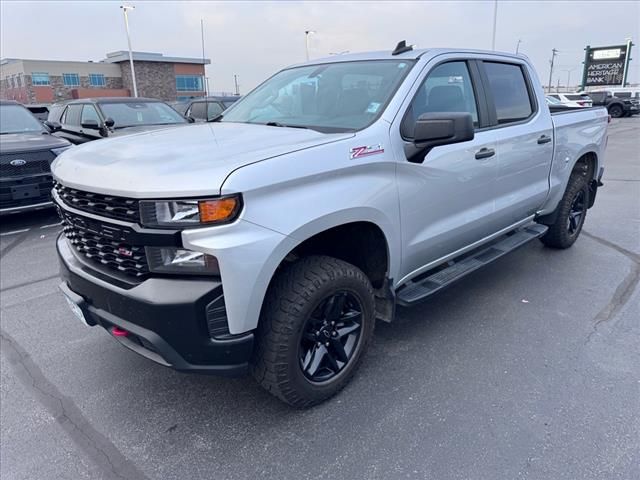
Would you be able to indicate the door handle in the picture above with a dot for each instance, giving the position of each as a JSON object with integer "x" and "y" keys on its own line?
{"x": 485, "y": 153}
{"x": 544, "y": 139}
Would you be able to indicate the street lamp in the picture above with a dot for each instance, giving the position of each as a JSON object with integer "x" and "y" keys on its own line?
{"x": 495, "y": 24}
{"x": 306, "y": 41}
{"x": 126, "y": 26}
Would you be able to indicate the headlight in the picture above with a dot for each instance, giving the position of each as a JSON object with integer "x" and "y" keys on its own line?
{"x": 181, "y": 261}
{"x": 58, "y": 151}
{"x": 190, "y": 213}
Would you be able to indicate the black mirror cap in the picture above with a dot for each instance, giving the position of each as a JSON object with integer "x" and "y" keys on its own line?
{"x": 91, "y": 124}
{"x": 440, "y": 128}
{"x": 52, "y": 126}
{"x": 190, "y": 119}
{"x": 109, "y": 122}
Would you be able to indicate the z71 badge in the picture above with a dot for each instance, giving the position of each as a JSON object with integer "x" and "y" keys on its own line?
{"x": 357, "y": 152}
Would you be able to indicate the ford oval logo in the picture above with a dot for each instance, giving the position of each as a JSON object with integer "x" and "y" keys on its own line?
{"x": 18, "y": 162}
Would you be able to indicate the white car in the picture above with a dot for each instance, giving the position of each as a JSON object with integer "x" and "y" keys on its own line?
{"x": 574, "y": 100}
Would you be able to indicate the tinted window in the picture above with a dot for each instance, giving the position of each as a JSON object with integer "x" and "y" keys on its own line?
{"x": 89, "y": 113}
{"x": 510, "y": 92}
{"x": 623, "y": 94}
{"x": 189, "y": 83}
{"x": 557, "y": 97}
{"x": 575, "y": 97}
{"x": 447, "y": 88}
{"x": 71, "y": 115}
{"x": 213, "y": 109}
{"x": 198, "y": 110}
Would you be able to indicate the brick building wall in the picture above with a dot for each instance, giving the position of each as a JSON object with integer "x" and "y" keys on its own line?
{"x": 153, "y": 79}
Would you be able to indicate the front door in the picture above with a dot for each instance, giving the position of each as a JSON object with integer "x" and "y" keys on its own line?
{"x": 447, "y": 200}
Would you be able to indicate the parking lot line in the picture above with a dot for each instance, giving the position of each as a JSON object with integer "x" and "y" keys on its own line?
{"x": 14, "y": 232}
{"x": 51, "y": 225}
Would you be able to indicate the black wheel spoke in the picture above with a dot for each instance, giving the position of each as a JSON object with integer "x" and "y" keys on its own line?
{"x": 334, "y": 307}
{"x": 348, "y": 329}
{"x": 338, "y": 349}
{"x": 330, "y": 336}
{"x": 315, "y": 359}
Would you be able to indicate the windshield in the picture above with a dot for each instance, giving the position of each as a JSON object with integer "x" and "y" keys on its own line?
{"x": 133, "y": 114}
{"x": 17, "y": 119}
{"x": 335, "y": 97}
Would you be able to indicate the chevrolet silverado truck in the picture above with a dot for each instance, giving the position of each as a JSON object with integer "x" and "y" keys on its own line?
{"x": 270, "y": 239}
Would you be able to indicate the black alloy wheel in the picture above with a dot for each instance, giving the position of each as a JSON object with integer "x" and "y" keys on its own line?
{"x": 330, "y": 337}
{"x": 578, "y": 207}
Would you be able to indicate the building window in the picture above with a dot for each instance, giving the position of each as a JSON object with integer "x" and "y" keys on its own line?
{"x": 97, "y": 80}
{"x": 39, "y": 78}
{"x": 19, "y": 80}
{"x": 71, "y": 79}
{"x": 189, "y": 83}
{"x": 12, "y": 80}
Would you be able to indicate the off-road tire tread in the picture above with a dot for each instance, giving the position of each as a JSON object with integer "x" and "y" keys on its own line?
{"x": 291, "y": 290}
{"x": 557, "y": 236}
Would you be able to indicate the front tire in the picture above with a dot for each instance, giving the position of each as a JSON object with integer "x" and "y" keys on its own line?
{"x": 314, "y": 328}
{"x": 616, "y": 111}
{"x": 572, "y": 211}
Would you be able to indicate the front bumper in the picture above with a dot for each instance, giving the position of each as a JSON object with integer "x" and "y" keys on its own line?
{"x": 164, "y": 317}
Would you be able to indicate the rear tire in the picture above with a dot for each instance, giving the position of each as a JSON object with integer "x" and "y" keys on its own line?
{"x": 572, "y": 211}
{"x": 296, "y": 357}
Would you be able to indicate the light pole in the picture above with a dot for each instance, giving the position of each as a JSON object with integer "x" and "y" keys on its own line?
{"x": 568, "y": 70}
{"x": 518, "y": 46}
{"x": 126, "y": 26}
{"x": 495, "y": 20}
{"x": 554, "y": 52}
{"x": 306, "y": 41}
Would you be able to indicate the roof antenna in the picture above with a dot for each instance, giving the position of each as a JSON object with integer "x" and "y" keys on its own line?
{"x": 402, "y": 47}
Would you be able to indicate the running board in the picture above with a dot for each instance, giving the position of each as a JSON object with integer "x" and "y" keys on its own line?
{"x": 421, "y": 287}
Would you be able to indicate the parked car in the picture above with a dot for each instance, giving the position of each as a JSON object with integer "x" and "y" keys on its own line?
{"x": 272, "y": 239}
{"x": 26, "y": 151}
{"x": 617, "y": 107}
{"x": 88, "y": 119}
{"x": 39, "y": 110}
{"x": 207, "y": 108}
{"x": 573, "y": 100}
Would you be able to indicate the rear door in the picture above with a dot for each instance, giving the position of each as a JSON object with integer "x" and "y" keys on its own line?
{"x": 524, "y": 134}
{"x": 446, "y": 200}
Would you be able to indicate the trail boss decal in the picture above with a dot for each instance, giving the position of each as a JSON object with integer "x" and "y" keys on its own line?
{"x": 357, "y": 152}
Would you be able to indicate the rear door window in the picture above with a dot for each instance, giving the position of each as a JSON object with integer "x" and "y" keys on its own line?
{"x": 213, "y": 109}
{"x": 71, "y": 115}
{"x": 510, "y": 92}
{"x": 198, "y": 110}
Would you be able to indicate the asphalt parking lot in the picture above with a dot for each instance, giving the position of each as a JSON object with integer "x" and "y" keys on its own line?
{"x": 529, "y": 368}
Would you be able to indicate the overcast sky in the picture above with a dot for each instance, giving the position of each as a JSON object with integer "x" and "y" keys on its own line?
{"x": 254, "y": 39}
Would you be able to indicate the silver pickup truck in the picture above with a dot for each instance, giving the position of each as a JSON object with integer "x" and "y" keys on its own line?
{"x": 271, "y": 239}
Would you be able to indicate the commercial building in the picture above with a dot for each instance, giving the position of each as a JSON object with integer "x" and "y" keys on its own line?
{"x": 49, "y": 81}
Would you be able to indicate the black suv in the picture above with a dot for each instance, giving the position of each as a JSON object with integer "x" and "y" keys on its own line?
{"x": 617, "y": 107}
{"x": 207, "y": 108}
{"x": 27, "y": 149}
{"x": 81, "y": 121}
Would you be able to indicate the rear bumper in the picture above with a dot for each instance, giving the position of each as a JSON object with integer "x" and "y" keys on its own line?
{"x": 164, "y": 318}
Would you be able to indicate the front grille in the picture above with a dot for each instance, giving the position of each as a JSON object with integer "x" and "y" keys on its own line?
{"x": 36, "y": 163}
{"x": 105, "y": 244}
{"x": 110, "y": 206}
{"x": 22, "y": 192}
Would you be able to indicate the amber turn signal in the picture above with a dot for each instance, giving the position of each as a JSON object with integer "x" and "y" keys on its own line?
{"x": 218, "y": 210}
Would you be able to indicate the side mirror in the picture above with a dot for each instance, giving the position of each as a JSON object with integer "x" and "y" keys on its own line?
{"x": 52, "y": 126}
{"x": 109, "y": 122}
{"x": 190, "y": 119}
{"x": 440, "y": 128}
{"x": 90, "y": 124}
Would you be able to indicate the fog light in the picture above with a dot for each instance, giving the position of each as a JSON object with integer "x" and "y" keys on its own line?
{"x": 181, "y": 261}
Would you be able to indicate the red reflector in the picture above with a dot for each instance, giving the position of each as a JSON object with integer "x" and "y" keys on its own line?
{"x": 117, "y": 332}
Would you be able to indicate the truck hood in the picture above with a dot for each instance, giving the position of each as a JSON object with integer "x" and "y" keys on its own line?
{"x": 29, "y": 142}
{"x": 185, "y": 161}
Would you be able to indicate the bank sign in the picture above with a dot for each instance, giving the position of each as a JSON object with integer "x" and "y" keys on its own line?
{"x": 605, "y": 65}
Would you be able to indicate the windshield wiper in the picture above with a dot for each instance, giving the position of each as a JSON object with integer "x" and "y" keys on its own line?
{"x": 278, "y": 124}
